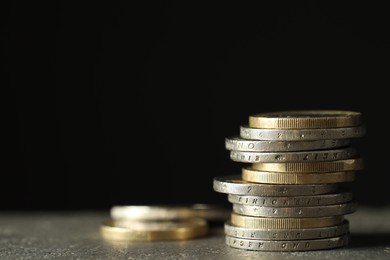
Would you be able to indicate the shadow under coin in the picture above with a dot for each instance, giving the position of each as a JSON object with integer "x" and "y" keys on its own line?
{"x": 370, "y": 240}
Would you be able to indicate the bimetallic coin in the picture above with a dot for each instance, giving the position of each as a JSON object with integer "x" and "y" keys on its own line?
{"x": 240, "y": 144}
{"x": 299, "y": 167}
{"x": 291, "y": 201}
{"x": 132, "y": 230}
{"x": 284, "y": 223}
{"x": 306, "y": 119}
{"x": 301, "y": 156}
{"x": 251, "y": 175}
{"x": 286, "y": 234}
{"x": 169, "y": 212}
{"x": 301, "y": 134}
{"x": 234, "y": 184}
{"x": 295, "y": 212}
{"x": 289, "y": 245}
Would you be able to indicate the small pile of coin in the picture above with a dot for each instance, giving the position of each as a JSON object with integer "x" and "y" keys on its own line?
{"x": 291, "y": 197}
{"x": 160, "y": 222}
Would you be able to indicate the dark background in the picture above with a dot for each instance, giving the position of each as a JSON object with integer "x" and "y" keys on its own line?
{"x": 129, "y": 103}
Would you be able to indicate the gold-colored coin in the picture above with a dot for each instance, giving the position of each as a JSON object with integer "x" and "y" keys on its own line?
{"x": 313, "y": 167}
{"x": 303, "y": 119}
{"x": 284, "y": 223}
{"x": 137, "y": 230}
{"x": 252, "y": 175}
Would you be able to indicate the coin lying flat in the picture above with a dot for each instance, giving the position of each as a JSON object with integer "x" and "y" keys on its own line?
{"x": 295, "y": 212}
{"x": 247, "y": 132}
{"x": 286, "y": 234}
{"x": 132, "y": 230}
{"x": 290, "y": 245}
{"x": 169, "y": 212}
{"x": 353, "y": 164}
{"x": 304, "y": 119}
{"x": 284, "y": 223}
{"x": 234, "y": 184}
{"x": 291, "y": 201}
{"x": 241, "y": 144}
{"x": 251, "y": 175}
{"x": 301, "y": 156}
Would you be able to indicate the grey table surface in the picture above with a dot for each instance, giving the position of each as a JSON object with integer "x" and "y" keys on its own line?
{"x": 75, "y": 235}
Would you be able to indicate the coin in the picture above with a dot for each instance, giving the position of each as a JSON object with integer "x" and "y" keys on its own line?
{"x": 292, "y": 201}
{"x": 251, "y": 175}
{"x": 233, "y": 184}
{"x": 354, "y": 164}
{"x": 301, "y": 156}
{"x": 241, "y": 144}
{"x": 296, "y": 212}
{"x": 288, "y": 245}
{"x": 132, "y": 230}
{"x": 306, "y": 119}
{"x": 169, "y": 212}
{"x": 286, "y": 234}
{"x": 301, "y": 134}
{"x": 283, "y": 222}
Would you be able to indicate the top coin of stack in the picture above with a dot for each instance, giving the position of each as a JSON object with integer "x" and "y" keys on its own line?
{"x": 290, "y": 198}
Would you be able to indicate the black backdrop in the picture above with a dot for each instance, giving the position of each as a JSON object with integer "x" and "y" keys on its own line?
{"x": 129, "y": 103}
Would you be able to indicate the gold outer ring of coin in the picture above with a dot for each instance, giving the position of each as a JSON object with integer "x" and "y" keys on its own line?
{"x": 354, "y": 164}
{"x": 153, "y": 230}
{"x": 255, "y": 176}
{"x": 299, "y": 119}
{"x": 284, "y": 223}
{"x": 170, "y": 212}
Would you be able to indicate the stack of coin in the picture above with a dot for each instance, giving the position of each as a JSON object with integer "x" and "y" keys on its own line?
{"x": 290, "y": 195}
{"x": 160, "y": 222}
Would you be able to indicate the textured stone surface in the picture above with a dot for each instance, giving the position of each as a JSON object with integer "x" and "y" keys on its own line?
{"x": 75, "y": 235}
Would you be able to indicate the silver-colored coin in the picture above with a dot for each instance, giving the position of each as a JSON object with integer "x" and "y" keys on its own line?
{"x": 301, "y": 156}
{"x": 291, "y": 201}
{"x": 288, "y": 245}
{"x": 240, "y": 144}
{"x": 169, "y": 212}
{"x": 286, "y": 234}
{"x": 296, "y": 212}
{"x": 235, "y": 185}
{"x": 301, "y": 134}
